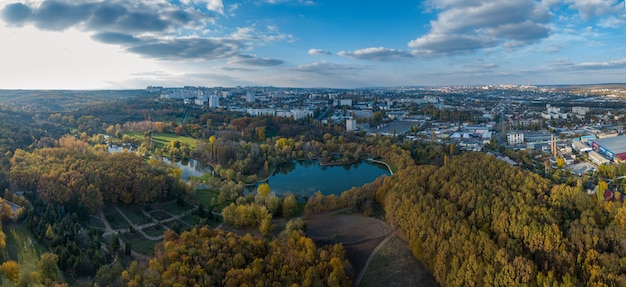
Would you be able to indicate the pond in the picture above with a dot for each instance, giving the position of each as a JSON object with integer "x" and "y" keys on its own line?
{"x": 190, "y": 167}
{"x": 304, "y": 178}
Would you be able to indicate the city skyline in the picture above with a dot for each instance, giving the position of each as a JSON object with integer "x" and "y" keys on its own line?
{"x": 309, "y": 43}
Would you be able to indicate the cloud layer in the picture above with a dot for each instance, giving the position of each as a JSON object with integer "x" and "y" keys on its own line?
{"x": 463, "y": 26}
{"x": 153, "y": 29}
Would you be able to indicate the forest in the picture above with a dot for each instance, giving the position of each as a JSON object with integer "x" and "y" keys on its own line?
{"x": 478, "y": 222}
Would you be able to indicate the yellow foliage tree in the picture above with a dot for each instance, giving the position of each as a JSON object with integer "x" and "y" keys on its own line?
{"x": 11, "y": 270}
{"x": 264, "y": 189}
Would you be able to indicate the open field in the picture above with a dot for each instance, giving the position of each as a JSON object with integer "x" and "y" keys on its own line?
{"x": 23, "y": 248}
{"x": 204, "y": 196}
{"x": 160, "y": 215}
{"x": 172, "y": 207}
{"x": 115, "y": 219}
{"x": 138, "y": 243}
{"x": 393, "y": 265}
{"x": 134, "y": 214}
{"x": 155, "y": 230}
{"x": 359, "y": 235}
{"x": 163, "y": 139}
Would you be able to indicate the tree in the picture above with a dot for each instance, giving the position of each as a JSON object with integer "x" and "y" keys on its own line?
{"x": 114, "y": 243}
{"x": 290, "y": 205}
{"x": 179, "y": 130}
{"x": 600, "y": 189}
{"x": 11, "y": 270}
{"x": 264, "y": 189}
{"x": 48, "y": 269}
{"x": 7, "y": 212}
{"x": 49, "y": 232}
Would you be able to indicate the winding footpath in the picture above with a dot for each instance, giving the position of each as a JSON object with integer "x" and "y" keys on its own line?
{"x": 357, "y": 282}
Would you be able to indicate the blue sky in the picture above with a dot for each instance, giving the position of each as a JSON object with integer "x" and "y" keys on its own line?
{"x": 116, "y": 44}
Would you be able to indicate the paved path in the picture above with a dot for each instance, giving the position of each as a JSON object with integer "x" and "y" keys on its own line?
{"x": 140, "y": 227}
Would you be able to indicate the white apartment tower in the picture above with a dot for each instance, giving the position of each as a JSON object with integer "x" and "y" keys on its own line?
{"x": 214, "y": 101}
{"x": 250, "y": 95}
{"x": 351, "y": 125}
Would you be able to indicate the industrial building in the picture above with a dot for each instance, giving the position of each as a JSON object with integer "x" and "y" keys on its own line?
{"x": 613, "y": 148}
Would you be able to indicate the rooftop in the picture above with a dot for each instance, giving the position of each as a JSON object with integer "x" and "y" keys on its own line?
{"x": 614, "y": 144}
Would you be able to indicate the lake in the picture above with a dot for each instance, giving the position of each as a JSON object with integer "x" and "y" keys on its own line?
{"x": 304, "y": 178}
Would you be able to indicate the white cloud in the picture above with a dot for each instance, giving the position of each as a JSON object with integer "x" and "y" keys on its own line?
{"x": 319, "y": 52}
{"x": 326, "y": 68}
{"x": 381, "y": 54}
{"x": 593, "y": 8}
{"x": 464, "y": 26}
{"x": 211, "y": 5}
{"x": 612, "y": 22}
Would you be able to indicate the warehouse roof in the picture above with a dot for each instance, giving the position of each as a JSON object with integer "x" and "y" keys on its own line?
{"x": 614, "y": 144}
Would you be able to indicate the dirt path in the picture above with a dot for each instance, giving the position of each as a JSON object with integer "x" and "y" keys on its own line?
{"x": 359, "y": 235}
{"x": 357, "y": 282}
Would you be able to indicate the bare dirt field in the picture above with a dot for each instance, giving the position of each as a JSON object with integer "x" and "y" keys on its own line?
{"x": 359, "y": 235}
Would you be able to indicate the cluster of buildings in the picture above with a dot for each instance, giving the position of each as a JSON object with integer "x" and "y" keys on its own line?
{"x": 522, "y": 117}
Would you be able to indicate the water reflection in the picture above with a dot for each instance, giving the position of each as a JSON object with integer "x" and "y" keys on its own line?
{"x": 190, "y": 167}
{"x": 304, "y": 178}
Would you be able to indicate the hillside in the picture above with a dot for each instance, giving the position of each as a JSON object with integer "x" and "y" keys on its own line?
{"x": 479, "y": 222}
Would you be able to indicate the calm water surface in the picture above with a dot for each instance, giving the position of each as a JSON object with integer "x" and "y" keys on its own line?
{"x": 304, "y": 178}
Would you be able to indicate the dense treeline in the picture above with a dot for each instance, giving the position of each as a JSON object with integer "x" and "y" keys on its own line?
{"x": 78, "y": 251}
{"x": 358, "y": 199}
{"x": 75, "y": 170}
{"x": 477, "y": 221}
{"x": 211, "y": 257}
{"x": 20, "y": 130}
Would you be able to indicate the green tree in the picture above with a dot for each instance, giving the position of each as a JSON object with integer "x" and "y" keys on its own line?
{"x": 48, "y": 269}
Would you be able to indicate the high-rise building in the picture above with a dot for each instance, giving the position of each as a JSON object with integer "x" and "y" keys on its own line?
{"x": 214, "y": 101}
{"x": 351, "y": 125}
{"x": 250, "y": 95}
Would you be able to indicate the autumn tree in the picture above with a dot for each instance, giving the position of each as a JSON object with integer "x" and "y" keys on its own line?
{"x": 290, "y": 205}
{"x": 264, "y": 189}
{"x": 10, "y": 269}
{"x": 47, "y": 268}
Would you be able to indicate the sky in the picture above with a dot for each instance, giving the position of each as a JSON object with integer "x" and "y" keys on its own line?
{"x": 127, "y": 44}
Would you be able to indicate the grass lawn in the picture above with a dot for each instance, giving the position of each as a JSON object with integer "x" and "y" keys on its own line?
{"x": 21, "y": 247}
{"x": 204, "y": 196}
{"x": 176, "y": 225}
{"x": 95, "y": 223}
{"x": 134, "y": 214}
{"x": 115, "y": 219}
{"x": 191, "y": 219}
{"x": 160, "y": 215}
{"x": 154, "y": 230}
{"x": 162, "y": 139}
{"x": 174, "y": 208}
{"x": 138, "y": 243}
